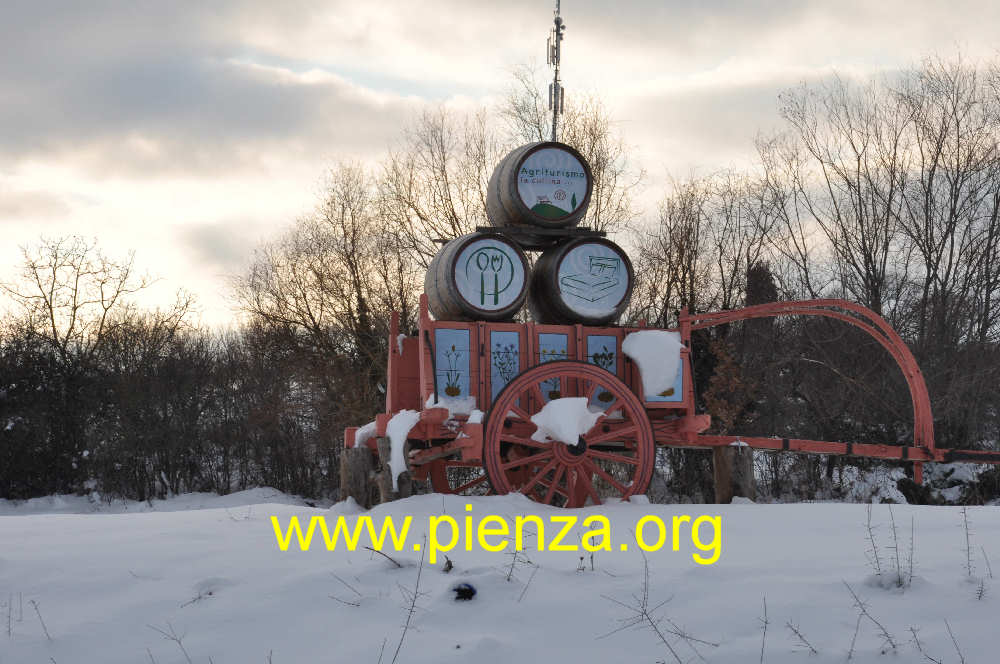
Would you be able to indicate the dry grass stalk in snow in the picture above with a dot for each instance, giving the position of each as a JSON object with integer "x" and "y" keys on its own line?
{"x": 800, "y": 637}
{"x": 644, "y": 617}
{"x": 171, "y": 635}
{"x": 920, "y": 647}
{"x": 763, "y": 636}
{"x": 954, "y": 641}
{"x": 863, "y": 609}
{"x": 39, "y": 614}
{"x": 412, "y": 598}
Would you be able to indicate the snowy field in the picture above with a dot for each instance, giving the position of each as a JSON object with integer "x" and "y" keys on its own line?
{"x": 110, "y": 580}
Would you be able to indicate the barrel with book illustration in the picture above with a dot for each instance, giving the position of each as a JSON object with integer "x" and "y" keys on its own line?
{"x": 582, "y": 280}
{"x": 544, "y": 185}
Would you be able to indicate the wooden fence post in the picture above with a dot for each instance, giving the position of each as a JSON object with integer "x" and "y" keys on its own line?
{"x": 733, "y": 473}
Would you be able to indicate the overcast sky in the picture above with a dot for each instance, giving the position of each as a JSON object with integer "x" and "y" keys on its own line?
{"x": 191, "y": 131}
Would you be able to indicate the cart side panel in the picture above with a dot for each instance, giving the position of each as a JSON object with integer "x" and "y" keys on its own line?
{"x": 505, "y": 357}
{"x": 403, "y": 382}
{"x": 603, "y": 346}
{"x": 554, "y": 342}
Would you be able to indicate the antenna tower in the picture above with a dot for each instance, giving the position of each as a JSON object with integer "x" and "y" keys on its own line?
{"x": 557, "y": 94}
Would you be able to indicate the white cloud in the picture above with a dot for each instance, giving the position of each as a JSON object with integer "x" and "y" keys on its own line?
{"x": 189, "y": 131}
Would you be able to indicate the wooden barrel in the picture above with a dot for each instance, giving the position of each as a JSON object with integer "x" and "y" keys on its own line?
{"x": 586, "y": 280}
{"x": 541, "y": 185}
{"x": 478, "y": 276}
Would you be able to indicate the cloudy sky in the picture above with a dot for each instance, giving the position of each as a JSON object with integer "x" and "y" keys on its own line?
{"x": 191, "y": 131}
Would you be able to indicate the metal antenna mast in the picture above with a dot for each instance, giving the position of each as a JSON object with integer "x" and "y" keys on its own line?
{"x": 557, "y": 94}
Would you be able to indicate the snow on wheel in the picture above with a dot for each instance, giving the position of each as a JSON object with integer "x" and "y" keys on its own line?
{"x": 568, "y": 433}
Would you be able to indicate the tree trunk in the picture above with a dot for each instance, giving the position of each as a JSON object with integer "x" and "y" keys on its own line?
{"x": 733, "y": 470}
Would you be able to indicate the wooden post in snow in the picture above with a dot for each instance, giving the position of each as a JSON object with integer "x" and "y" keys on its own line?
{"x": 357, "y": 473}
{"x": 733, "y": 473}
{"x": 405, "y": 483}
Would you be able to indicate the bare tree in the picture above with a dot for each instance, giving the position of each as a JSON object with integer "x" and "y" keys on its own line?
{"x": 331, "y": 283}
{"x": 434, "y": 185}
{"x": 794, "y": 237}
{"x": 710, "y": 231}
{"x": 670, "y": 259}
{"x": 71, "y": 294}
{"x": 951, "y": 199}
{"x": 852, "y": 184}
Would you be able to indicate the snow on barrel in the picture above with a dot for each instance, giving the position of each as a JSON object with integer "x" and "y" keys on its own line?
{"x": 477, "y": 276}
{"x": 586, "y": 280}
{"x": 543, "y": 185}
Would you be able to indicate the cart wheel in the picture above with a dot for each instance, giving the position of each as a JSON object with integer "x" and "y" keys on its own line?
{"x": 612, "y": 460}
{"x": 466, "y": 478}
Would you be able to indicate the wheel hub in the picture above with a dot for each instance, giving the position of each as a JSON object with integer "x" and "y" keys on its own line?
{"x": 570, "y": 455}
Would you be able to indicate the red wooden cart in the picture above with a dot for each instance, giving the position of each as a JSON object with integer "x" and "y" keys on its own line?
{"x": 511, "y": 370}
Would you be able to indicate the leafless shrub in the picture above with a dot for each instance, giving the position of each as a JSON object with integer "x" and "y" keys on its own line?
{"x": 899, "y": 577}
{"x": 920, "y": 647}
{"x": 763, "y": 625}
{"x": 170, "y": 634}
{"x": 40, "y": 620}
{"x": 854, "y": 639}
{"x": 202, "y": 594}
{"x": 862, "y": 607}
{"x": 388, "y": 557}
{"x": 873, "y": 551}
{"x": 644, "y": 616}
{"x": 954, "y": 641}
{"x": 969, "y": 569}
{"x": 411, "y": 597}
{"x": 530, "y": 578}
{"x": 349, "y": 587}
{"x": 800, "y": 637}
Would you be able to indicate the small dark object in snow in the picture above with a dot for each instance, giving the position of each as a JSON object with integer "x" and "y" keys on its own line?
{"x": 464, "y": 591}
{"x": 447, "y": 565}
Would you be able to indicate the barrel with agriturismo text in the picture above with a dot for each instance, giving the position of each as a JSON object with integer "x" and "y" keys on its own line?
{"x": 539, "y": 185}
{"x": 584, "y": 280}
{"x": 478, "y": 276}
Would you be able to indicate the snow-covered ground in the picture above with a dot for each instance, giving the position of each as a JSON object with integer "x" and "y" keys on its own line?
{"x": 107, "y": 584}
{"x": 93, "y": 503}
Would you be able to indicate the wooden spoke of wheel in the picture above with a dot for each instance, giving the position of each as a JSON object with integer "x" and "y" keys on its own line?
{"x": 536, "y": 393}
{"x": 542, "y": 471}
{"x": 609, "y": 456}
{"x": 541, "y": 456}
{"x": 626, "y": 432}
{"x": 552, "y": 487}
{"x": 469, "y": 485}
{"x": 589, "y": 486}
{"x": 538, "y": 477}
{"x": 520, "y": 412}
{"x": 519, "y": 440}
{"x": 611, "y": 406}
{"x": 607, "y": 478}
